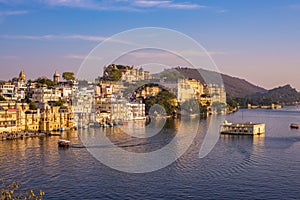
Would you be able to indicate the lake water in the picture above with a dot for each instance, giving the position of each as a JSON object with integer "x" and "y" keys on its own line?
{"x": 264, "y": 167}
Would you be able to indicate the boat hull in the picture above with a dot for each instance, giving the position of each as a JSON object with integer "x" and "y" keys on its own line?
{"x": 63, "y": 143}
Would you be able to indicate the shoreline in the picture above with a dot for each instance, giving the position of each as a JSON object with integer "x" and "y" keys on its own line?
{"x": 22, "y": 135}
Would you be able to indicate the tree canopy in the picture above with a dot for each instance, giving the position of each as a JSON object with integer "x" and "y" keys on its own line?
{"x": 32, "y": 106}
{"x": 164, "y": 99}
{"x": 68, "y": 76}
{"x": 114, "y": 75}
{"x": 193, "y": 106}
{"x": 59, "y": 103}
{"x": 2, "y": 98}
{"x": 41, "y": 81}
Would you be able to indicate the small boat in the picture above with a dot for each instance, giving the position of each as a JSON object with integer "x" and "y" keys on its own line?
{"x": 85, "y": 127}
{"x": 63, "y": 143}
{"x": 294, "y": 126}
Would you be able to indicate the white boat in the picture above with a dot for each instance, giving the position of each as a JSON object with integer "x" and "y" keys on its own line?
{"x": 248, "y": 128}
{"x": 63, "y": 143}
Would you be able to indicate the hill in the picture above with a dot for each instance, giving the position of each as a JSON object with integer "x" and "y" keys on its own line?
{"x": 283, "y": 94}
{"x": 235, "y": 87}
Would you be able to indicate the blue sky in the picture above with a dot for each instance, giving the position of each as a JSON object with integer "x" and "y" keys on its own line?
{"x": 256, "y": 39}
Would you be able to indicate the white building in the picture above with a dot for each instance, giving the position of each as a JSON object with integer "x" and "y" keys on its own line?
{"x": 136, "y": 111}
{"x": 217, "y": 93}
{"x": 83, "y": 107}
{"x": 7, "y": 90}
{"x": 44, "y": 95}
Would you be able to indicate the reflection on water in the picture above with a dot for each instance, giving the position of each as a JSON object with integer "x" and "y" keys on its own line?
{"x": 262, "y": 167}
{"x": 123, "y": 151}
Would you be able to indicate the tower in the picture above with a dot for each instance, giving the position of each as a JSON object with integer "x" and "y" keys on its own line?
{"x": 22, "y": 77}
{"x": 56, "y": 77}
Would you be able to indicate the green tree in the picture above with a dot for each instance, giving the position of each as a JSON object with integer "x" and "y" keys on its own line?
{"x": 27, "y": 99}
{"x": 191, "y": 106}
{"x": 41, "y": 81}
{"x": 14, "y": 79}
{"x": 68, "y": 76}
{"x": 218, "y": 106}
{"x": 2, "y": 98}
{"x": 32, "y": 106}
{"x": 115, "y": 75}
{"x": 232, "y": 103}
{"x": 164, "y": 99}
{"x": 59, "y": 103}
{"x": 149, "y": 102}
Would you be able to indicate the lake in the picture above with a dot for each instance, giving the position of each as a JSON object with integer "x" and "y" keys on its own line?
{"x": 260, "y": 167}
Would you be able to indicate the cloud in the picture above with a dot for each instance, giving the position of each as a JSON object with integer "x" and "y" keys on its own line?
{"x": 166, "y": 4}
{"x": 222, "y": 11}
{"x": 126, "y": 5}
{"x": 4, "y": 13}
{"x": 55, "y": 37}
{"x": 81, "y": 57}
{"x": 90, "y": 38}
{"x": 88, "y": 4}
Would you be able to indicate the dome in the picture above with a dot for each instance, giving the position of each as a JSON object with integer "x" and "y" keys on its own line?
{"x": 56, "y": 74}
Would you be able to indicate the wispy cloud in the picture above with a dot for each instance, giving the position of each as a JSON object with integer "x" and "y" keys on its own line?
{"x": 5, "y": 13}
{"x": 90, "y": 38}
{"x": 128, "y": 5}
{"x": 55, "y": 37}
{"x": 81, "y": 57}
{"x": 166, "y": 4}
{"x": 222, "y": 11}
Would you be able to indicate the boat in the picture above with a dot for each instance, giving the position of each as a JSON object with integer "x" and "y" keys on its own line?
{"x": 63, "y": 143}
{"x": 248, "y": 128}
{"x": 294, "y": 126}
{"x": 85, "y": 127}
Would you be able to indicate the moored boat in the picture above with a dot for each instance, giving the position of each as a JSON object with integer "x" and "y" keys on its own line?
{"x": 248, "y": 128}
{"x": 294, "y": 126}
{"x": 63, "y": 143}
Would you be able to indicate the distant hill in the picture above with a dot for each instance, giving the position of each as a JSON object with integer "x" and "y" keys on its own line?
{"x": 284, "y": 95}
{"x": 243, "y": 91}
{"x": 235, "y": 87}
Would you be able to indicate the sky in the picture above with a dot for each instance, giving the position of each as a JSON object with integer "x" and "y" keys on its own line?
{"x": 257, "y": 40}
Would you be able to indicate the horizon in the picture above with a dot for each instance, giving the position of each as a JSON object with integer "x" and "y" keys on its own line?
{"x": 255, "y": 40}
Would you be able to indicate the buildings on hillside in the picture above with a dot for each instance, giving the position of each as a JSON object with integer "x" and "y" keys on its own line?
{"x": 18, "y": 114}
{"x": 65, "y": 104}
{"x": 110, "y": 104}
{"x": 19, "y": 117}
{"x": 129, "y": 73}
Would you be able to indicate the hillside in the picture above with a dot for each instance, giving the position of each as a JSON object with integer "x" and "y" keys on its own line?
{"x": 284, "y": 95}
{"x": 235, "y": 87}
